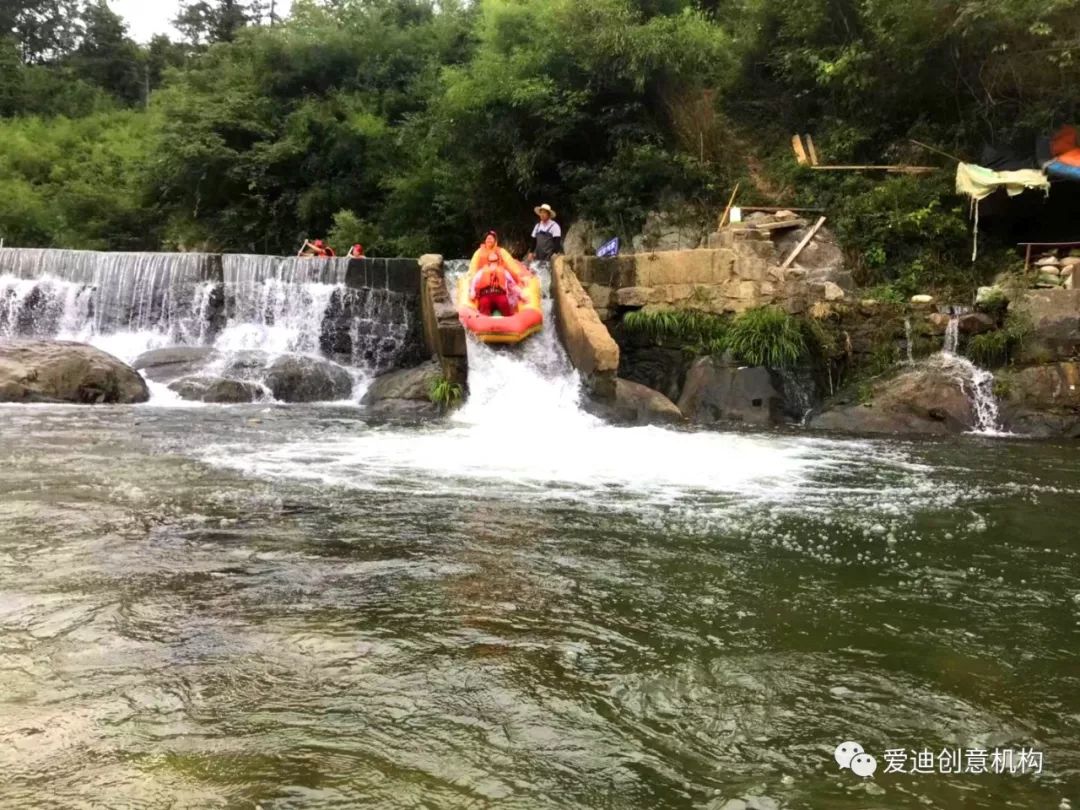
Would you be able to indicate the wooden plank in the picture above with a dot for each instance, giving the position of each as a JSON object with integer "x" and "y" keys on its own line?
{"x": 786, "y": 225}
{"x": 1049, "y": 244}
{"x": 800, "y": 153}
{"x": 805, "y": 241}
{"x": 727, "y": 208}
{"x": 899, "y": 169}
{"x": 780, "y": 208}
{"x": 810, "y": 148}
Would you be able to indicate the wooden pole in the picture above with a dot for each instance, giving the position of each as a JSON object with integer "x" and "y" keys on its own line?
{"x": 727, "y": 209}
{"x": 1027, "y": 259}
{"x": 805, "y": 241}
{"x": 935, "y": 149}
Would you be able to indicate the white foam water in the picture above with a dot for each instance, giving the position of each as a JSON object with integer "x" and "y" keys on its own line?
{"x": 129, "y": 303}
{"x": 523, "y": 427}
{"x": 976, "y": 383}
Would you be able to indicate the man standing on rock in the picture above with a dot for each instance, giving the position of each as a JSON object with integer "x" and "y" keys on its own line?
{"x": 547, "y": 235}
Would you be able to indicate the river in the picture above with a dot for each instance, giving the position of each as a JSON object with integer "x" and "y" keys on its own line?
{"x": 294, "y": 606}
{"x": 272, "y": 606}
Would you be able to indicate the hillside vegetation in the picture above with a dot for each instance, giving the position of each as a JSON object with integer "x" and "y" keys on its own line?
{"x": 414, "y": 126}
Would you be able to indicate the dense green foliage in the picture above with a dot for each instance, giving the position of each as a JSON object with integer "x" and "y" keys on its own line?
{"x": 411, "y": 126}
{"x": 998, "y": 347}
{"x": 699, "y": 332}
{"x": 767, "y": 337}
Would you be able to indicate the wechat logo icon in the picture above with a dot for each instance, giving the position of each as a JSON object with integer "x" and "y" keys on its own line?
{"x": 851, "y": 755}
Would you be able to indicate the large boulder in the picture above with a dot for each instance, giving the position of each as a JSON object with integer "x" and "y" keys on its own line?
{"x": 1043, "y": 400}
{"x": 660, "y": 368}
{"x": 717, "y": 391}
{"x": 217, "y": 390}
{"x": 298, "y": 378}
{"x": 60, "y": 371}
{"x": 670, "y": 230}
{"x": 1055, "y": 319}
{"x": 822, "y": 259}
{"x": 636, "y": 404}
{"x": 583, "y": 237}
{"x": 928, "y": 399}
{"x": 249, "y": 364}
{"x": 174, "y": 362}
{"x": 405, "y": 393}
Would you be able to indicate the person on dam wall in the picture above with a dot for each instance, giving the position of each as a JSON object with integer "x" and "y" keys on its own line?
{"x": 494, "y": 287}
{"x": 546, "y": 236}
{"x": 317, "y": 249}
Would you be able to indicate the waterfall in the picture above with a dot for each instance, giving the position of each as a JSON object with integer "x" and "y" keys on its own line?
{"x": 92, "y": 294}
{"x": 379, "y": 325}
{"x": 976, "y": 383}
{"x": 276, "y": 304}
{"x": 128, "y": 303}
{"x": 907, "y": 341}
{"x": 535, "y": 377}
{"x": 798, "y": 388}
{"x": 952, "y": 334}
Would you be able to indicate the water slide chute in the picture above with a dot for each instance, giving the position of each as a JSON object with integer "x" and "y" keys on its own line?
{"x": 529, "y": 318}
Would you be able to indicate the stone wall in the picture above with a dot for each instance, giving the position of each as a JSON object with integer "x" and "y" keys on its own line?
{"x": 591, "y": 348}
{"x": 443, "y": 332}
{"x": 396, "y": 275}
{"x": 740, "y": 271}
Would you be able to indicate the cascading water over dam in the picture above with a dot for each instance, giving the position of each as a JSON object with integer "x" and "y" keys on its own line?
{"x": 80, "y": 295}
{"x": 128, "y": 303}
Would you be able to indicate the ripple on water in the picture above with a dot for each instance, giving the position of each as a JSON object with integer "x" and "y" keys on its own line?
{"x": 304, "y": 611}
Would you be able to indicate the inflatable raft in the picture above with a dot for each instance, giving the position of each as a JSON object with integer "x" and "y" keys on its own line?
{"x": 528, "y": 320}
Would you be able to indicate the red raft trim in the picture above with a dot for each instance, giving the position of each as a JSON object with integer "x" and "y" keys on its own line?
{"x": 526, "y": 321}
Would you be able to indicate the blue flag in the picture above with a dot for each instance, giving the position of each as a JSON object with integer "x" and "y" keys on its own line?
{"x": 608, "y": 248}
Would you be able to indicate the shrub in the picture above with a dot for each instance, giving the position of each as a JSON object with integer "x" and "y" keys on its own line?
{"x": 768, "y": 336}
{"x": 699, "y": 332}
{"x": 994, "y": 303}
{"x": 444, "y": 393}
{"x": 998, "y": 348}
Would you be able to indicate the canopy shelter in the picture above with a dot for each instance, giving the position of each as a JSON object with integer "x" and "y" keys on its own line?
{"x": 1064, "y": 163}
{"x": 1007, "y": 176}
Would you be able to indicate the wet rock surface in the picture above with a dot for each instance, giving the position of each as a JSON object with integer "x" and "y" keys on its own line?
{"x": 62, "y": 371}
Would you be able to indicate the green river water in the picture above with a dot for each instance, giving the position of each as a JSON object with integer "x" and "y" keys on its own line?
{"x": 286, "y": 607}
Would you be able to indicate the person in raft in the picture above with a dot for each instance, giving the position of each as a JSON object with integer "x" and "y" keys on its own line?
{"x": 547, "y": 235}
{"x": 495, "y": 288}
{"x": 356, "y": 251}
{"x": 491, "y": 245}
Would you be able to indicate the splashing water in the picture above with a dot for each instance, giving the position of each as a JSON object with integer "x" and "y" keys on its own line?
{"x": 523, "y": 428}
{"x": 952, "y": 335}
{"x": 130, "y": 303}
{"x": 976, "y": 383}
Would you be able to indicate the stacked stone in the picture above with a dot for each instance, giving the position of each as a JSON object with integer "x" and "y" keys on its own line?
{"x": 1053, "y": 272}
{"x": 766, "y": 222}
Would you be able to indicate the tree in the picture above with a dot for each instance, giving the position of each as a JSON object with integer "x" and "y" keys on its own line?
{"x": 107, "y": 58}
{"x": 11, "y": 77}
{"x": 46, "y": 30}
{"x": 161, "y": 55}
{"x": 205, "y": 22}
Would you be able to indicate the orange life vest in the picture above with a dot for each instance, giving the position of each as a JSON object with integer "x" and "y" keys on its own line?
{"x": 492, "y": 278}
